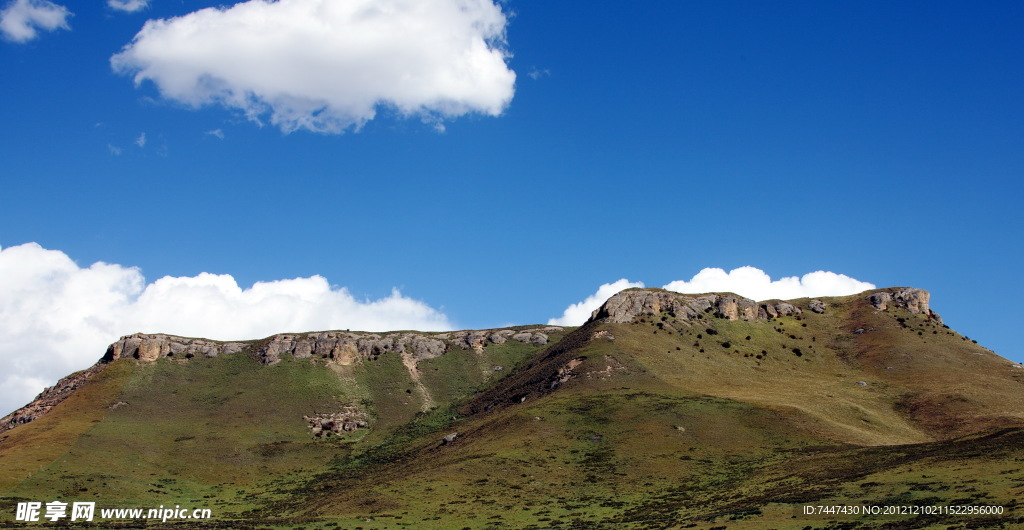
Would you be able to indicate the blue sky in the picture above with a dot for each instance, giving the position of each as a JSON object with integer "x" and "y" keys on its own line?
{"x": 642, "y": 141}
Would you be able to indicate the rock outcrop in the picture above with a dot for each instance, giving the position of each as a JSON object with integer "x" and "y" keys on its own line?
{"x": 909, "y": 298}
{"x": 152, "y": 347}
{"x": 343, "y": 347}
{"x": 632, "y": 303}
{"x": 348, "y": 347}
{"x": 628, "y": 305}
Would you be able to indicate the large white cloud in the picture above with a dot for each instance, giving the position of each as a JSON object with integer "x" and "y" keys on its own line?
{"x": 748, "y": 281}
{"x": 577, "y": 314}
{"x": 754, "y": 283}
{"x": 57, "y": 317}
{"x": 327, "y": 65}
{"x": 21, "y": 19}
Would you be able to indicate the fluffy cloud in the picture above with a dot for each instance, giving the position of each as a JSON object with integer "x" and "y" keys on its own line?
{"x": 128, "y": 6}
{"x": 754, "y": 283}
{"x": 325, "y": 65}
{"x": 750, "y": 282}
{"x": 57, "y": 317}
{"x": 577, "y": 314}
{"x": 21, "y": 19}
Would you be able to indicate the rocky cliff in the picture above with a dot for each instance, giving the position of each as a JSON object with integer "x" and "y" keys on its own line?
{"x": 913, "y": 300}
{"x": 630, "y": 304}
{"x": 344, "y": 347}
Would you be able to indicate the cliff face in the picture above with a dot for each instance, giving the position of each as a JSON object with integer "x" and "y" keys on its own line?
{"x": 344, "y": 347}
{"x": 152, "y": 347}
{"x": 913, "y": 300}
{"x": 632, "y": 303}
{"x": 627, "y": 305}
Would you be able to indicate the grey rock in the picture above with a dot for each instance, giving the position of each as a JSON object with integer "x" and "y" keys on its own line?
{"x": 909, "y": 298}
{"x": 151, "y": 347}
{"x": 522, "y": 336}
{"x": 628, "y": 305}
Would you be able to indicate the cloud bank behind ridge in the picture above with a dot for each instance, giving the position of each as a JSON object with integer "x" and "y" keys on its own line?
{"x": 57, "y": 317}
{"x": 750, "y": 282}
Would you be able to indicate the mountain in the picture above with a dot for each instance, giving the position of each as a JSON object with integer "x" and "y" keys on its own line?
{"x": 663, "y": 410}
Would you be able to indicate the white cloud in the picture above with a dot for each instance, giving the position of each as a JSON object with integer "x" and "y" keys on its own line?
{"x": 577, "y": 314}
{"x": 114, "y": 150}
{"x": 141, "y": 140}
{"x": 128, "y": 6}
{"x": 327, "y": 66}
{"x": 217, "y": 133}
{"x": 21, "y": 19}
{"x": 754, "y": 283}
{"x": 57, "y": 317}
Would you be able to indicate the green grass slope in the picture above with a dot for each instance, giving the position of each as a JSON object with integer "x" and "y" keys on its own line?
{"x": 229, "y": 432}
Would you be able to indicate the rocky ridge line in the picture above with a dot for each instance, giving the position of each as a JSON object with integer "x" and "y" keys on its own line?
{"x": 344, "y": 347}
{"x": 630, "y": 304}
{"x": 49, "y": 398}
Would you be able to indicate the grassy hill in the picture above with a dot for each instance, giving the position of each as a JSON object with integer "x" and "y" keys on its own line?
{"x": 663, "y": 411}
